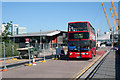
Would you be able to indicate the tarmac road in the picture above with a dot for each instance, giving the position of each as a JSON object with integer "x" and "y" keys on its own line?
{"x": 51, "y": 69}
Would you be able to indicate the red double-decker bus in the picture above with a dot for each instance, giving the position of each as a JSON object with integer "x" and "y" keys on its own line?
{"x": 81, "y": 40}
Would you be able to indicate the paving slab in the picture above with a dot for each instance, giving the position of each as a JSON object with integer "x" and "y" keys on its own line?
{"x": 107, "y": 69}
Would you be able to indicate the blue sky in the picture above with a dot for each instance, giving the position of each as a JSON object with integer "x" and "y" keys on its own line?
{"x": 56, "y": 15}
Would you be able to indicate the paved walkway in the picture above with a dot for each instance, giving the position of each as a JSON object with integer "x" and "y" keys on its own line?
{"x": 110, "y": 68}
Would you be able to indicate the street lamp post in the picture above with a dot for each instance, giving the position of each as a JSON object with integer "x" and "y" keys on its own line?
{"x": 40, "y": 40}
{"x": 36, "y": 43}
{"x": 113, "y": 39}
{"x": 13, "y": 46}
{"x": 29, "y": 53}
{"x": 4, "y": 57}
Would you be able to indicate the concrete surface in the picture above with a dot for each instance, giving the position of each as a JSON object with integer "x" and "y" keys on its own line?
{"x": 107, "y": 69}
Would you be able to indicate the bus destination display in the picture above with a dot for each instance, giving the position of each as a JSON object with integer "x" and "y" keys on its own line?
{"x": 77, "y": 36}
{"x": 80, "y": 35}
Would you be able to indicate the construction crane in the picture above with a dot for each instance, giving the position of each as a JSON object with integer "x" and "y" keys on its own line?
{"x": 113, "y": 19}
{"x": 115, "y": 13}
{"x": 107, "y": 18}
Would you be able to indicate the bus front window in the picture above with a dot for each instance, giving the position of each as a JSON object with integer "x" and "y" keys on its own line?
{"x": 78, "y": 27}
{"x": 77, "y": 46}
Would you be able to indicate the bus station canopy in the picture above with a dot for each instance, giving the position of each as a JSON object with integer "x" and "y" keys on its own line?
{"x": 46, "y": 33}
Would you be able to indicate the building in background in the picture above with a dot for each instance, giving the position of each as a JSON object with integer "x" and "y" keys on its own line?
{"x": 2, "y": 28}
{"x": 98, "y": 32}
{"x": 18, "y": 30}
{"x": 21, "y": 30}
{"x": 15, "y": 29}
{"x": 48, "y": 37}
{"x": 108, "y": 39}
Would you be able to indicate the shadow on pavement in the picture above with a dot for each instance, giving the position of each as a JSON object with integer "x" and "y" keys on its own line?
{"x": 117, "y": 65}
{"x": 63, "y": 58}
{"x": 73, "y": 59}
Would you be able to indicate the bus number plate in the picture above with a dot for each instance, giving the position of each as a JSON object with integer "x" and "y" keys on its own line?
{"x": 78, "y": 57}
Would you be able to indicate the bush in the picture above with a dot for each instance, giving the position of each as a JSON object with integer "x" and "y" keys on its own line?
{"x": 9, "y": 49}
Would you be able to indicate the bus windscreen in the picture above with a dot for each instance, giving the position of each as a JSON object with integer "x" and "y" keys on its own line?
{"x": 79, "y": 35}
{"x": 78, "y": 27}
{"x": 76, "y": 46}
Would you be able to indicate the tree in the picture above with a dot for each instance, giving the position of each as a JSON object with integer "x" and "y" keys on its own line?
{"x": 6, "y": 32}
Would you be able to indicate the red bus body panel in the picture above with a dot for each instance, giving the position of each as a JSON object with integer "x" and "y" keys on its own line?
{"x": 82, "y": 54}
{"x": 77, "y": 55}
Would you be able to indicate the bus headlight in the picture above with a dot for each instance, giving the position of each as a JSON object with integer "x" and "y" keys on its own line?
{"x": 70, "y": 53}
{"x": 86, "y": 53}
{"x": 83, "y": 53}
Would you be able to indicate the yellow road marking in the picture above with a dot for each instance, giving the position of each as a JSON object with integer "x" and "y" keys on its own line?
{"x": 12, "y": 61}
{"x": 19, "y": 60}
{"x": 85, "y": 69}
{"x": 28, "y": 64}
{"x": 42, "y": 61}
{"x": 14, "y": 58}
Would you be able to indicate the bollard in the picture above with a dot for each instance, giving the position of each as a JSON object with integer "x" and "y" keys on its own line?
{"x": 33, "y": 60}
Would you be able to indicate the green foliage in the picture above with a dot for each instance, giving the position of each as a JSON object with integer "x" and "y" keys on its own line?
{"x": 10, "y": 47}
{"x": 9, "y": 50}
{"x": 6, "y": 32}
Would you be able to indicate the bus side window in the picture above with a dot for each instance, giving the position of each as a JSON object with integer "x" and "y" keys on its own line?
{"x": 71, "y": 29}
{"x": 90, "y": 44}
{"x": 90, "y": 28}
